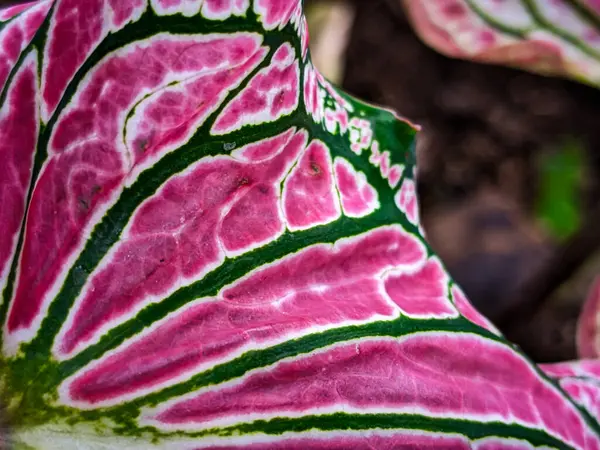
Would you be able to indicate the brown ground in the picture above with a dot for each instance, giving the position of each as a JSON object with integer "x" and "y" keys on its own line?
{"x": 484, "y": 127}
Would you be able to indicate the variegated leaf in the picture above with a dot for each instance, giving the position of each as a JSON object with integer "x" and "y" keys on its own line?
{"x": 588, "y": 334}
{"x": 552, "y": 37}
{"x": 206, "y": 245}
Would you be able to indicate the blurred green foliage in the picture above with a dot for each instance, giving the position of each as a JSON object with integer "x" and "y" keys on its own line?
{"x": 561, "y": 175}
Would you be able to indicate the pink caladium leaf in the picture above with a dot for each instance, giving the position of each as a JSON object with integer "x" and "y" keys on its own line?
{"x": 588, "y": 325}
{"x": 552, "y": 37}
{"x": 579, "y": 379}
{"x": 205, "y": 245}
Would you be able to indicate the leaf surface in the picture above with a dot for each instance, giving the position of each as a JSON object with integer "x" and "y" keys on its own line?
{"x": 551, "y": 37}
{"x": 206, "y": 245}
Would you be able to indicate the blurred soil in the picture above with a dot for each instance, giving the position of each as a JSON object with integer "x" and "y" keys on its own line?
{"x": 484, "y": 129}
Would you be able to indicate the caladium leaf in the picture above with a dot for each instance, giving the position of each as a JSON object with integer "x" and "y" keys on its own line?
{"x": 206, "y": 245}
{"x": 581, "y": 380}
{"x": 553, "y": 37}
{"x": 588, "y": 334}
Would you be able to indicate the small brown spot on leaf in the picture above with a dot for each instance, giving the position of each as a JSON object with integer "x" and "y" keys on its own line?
{"x": 84, "y": 203}
{"x": 143, "y": 145}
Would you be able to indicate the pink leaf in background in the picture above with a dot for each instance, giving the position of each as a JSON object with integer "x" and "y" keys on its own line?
{"x": 552, "y": 37}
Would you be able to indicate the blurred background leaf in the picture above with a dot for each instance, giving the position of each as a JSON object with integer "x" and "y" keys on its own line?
{"x": 561, "y": 174}
{"x": 329, "y": 26}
